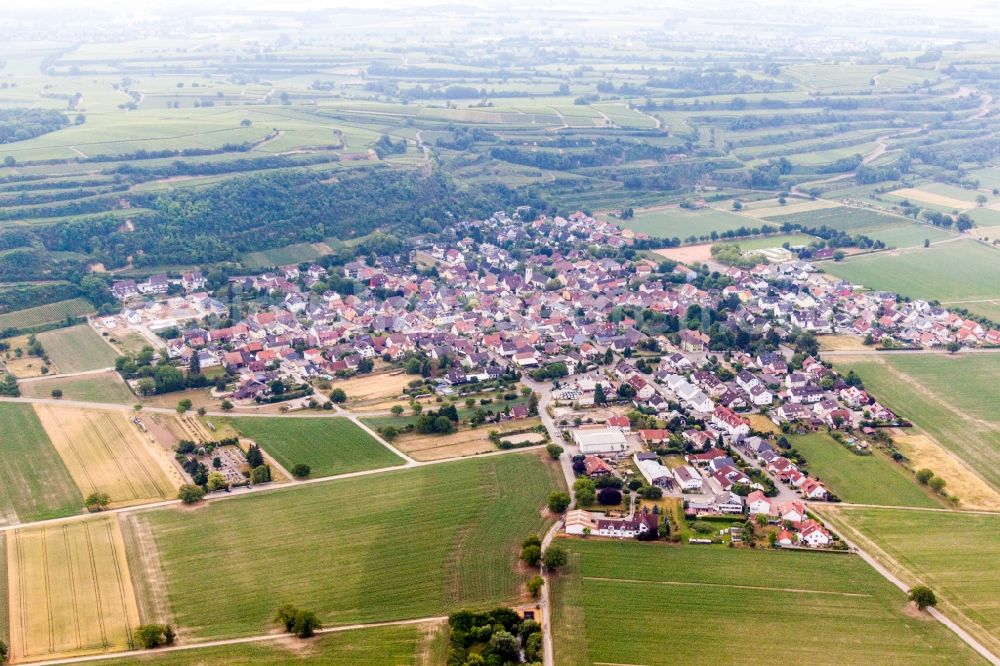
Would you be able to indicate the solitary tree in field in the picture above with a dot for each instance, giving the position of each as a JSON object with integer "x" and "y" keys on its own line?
{"x": 97, "y": 501}
{"x": 301, "y": 471}
{"x": 397, "y": 410}
{"x": 923, "y": 596}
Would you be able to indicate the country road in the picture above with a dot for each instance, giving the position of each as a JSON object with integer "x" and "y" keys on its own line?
{"x": 544, "y": 392}
{"x": 237, "y": 641}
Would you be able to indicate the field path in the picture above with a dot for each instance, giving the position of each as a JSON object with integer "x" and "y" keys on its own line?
{"x": 84, "y": 373}
{"x": 239, "y": 641}
{"x": 353, "y": 418}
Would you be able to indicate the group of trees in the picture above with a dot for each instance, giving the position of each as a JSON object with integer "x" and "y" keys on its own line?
{"x": 21, "y": 124}
{"x": 302, "y": 623}
{"x": 498, "y": 637}
{"x": 440, "y": 422}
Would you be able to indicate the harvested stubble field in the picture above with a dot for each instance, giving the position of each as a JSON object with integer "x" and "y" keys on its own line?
{"x": 463, "y": 442}
{"x": 329, "y": 445}
{"x": 70, "y": 590}
{"x": 375, "y": 391}
{"x": 871, "y": 479}
{"x": 106, "y": 453}
{"x": 407, "y": 544}
{"x": 972, "y": 491}
{"x": 955, "y": 554}
{"x": 618, "y": 602}
{"x": 952, "y": 399}
{"x": 36, "y": 484}
{"x": 77, "y": 349}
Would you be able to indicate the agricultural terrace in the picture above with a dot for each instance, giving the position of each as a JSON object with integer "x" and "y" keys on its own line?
{"x": 960, "y": 273}
{"x": 951, "y": 398}
{"x": 36, "y": 483}
{"x": 69, "y": 589}
{"x": 106, "y": 453}
{"x": 627, "y": 602}
{"x": 860, "y": 479}
{"x": 45, "y": 314}
{"x": 329, "y": 445}
{"x": 415, "y": 543}
{"x": 677, "y": 222}
{"x": 404, "y": 645}
{"x": 107, "y": 388}
{"x": 290, "y": 254}
{"x": 955, "y": 554}
{"x": 77, "y": 349}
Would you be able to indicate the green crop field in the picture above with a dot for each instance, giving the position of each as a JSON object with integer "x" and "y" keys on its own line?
{"x": 36, "y": 484}
{"x": 107, "y": 387}
{"x": 953, "y": 398}
{"x": 870, "y": 479}
{"x": 633, "y": 603}
{"x": 46, "y": 314}
{"x": 416, "y": 645}
{"x": 841, "y": 218}
{"x": 328, "y": 445}
{"x": 77, "y": 349}
{"x": 961, "y": 271}
{"x": 768, "y": 242}
{"x": 955, "y": 554}
{"x": 407, "y": 544}
{"x": 683, "y": 223}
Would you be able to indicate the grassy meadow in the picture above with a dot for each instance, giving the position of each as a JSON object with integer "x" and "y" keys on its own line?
{"x": 407, "y": 544}
{"x": 36, "y": 484}
{"x": 951, "y": 398}
{"x": 952, "y": 272}
{"x": 858, "y": 479}
{"x": 77, "y": 349}
{"x": 627, "y": 602}
{"x": 955, "y": 554}
{"x": 676, "y": 222}
{"x": 329, "y": 445}
{"x": 107, "y": 388}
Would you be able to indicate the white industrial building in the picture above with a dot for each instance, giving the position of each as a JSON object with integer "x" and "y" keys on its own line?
{"x": 655, "y": 473}
{"x": 600, "y": 440}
